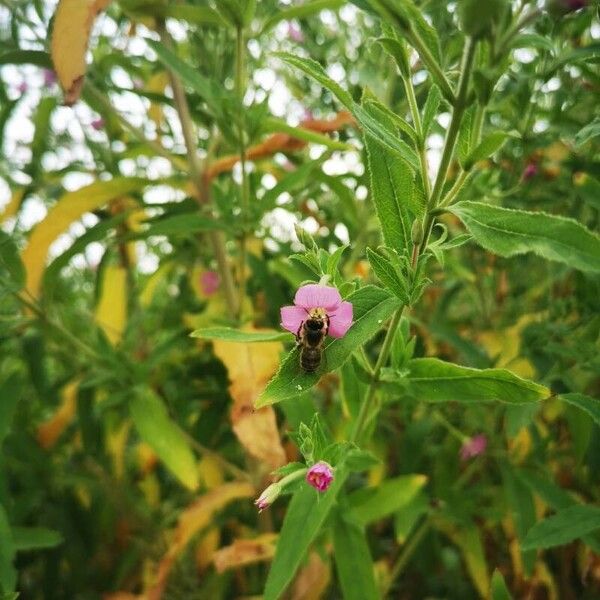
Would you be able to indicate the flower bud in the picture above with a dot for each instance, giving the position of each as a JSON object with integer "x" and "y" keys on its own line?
{"x": 268, "y": 496}
{"x": 416, "y": 233}
{"x": 473, "y": 447}
{"x": 320, "y": 476}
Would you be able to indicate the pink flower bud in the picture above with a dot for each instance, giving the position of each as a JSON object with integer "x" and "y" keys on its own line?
{"x": 473, "y": 447}
{"x": 98, "y": 124}
{"x": 294, "y": 33}
{"x": 268, "y": 496}
{"x": 209, "y": 282}
{"x": 530, "y": 171}
{"x": 320, "y": 476}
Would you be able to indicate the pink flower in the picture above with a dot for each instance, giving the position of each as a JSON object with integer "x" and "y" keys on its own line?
{"x": 320, "y": 476}
{"x": 98, "y": 124}
{"x": 473, "y": 447}
{"x": 530, "y": 171}
{"x": 49, "y": 77}
{"x": 209, "y": 282}
{"x": 315, "y": 298}
{"x": 294, "y": 33}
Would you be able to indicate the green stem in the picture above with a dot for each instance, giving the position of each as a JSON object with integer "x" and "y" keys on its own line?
{"x": 460, "y": 106}
{"x": 416, "y": 117}
{"x": 365, "y": 407}
{"x": 240, "y": 90}
{"x": 406, "y": 554}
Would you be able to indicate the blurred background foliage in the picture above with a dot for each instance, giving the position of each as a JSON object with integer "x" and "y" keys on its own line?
{"x": 95, "y": 350}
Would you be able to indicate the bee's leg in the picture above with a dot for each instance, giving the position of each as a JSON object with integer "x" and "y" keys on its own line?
{"x": 298, "y": 340}
{"x": 327, "y": 326}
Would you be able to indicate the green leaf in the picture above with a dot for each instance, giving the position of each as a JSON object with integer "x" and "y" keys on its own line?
{"x": 396, "y": 48}
{"x": 388, "y": 275}
{"x": 228, "y": 334}
{"x": 382, "y": 132}
{"x": 508, "y": 232}
{"x": 372, "y": 307}
{"x": 585, "y": 403}
{"x": 11, "y": 267}
{"x": 164, "y": 436}
{"x": 499, "y": 590}
{"x": 382, "y": 113}
{"x": 373, "y": 504}
{"x": 35, "y": 538}
{"x": 490, "y": 144}
{"x": 301, "y": 11}
{"x": 432, "y": 104}
{"x": 433, "y": 380}
{"x": 183, "y": 224}
{"x": 565, "y": 526}
{"x": 27, "y": 57}
{"x": 8, "y": 574}
{"x": 304, "y": 518}
{"x": 9, "y": 394}
{"x": 353, "y": 561}
{"x": 532, "y": 40}
{"x": 591, "y": 130}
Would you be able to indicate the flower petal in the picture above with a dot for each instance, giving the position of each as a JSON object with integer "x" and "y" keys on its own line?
{"x": 318, "y": 296}
{"x": 292, "y": 317}
{"x": 341, "y": 320}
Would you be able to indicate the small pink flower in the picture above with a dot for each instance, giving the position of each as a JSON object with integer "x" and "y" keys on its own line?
{"x": 268, "y": 496}
{"x": 320, "y": 476}
{"x": 22, "y": 87}
{"x": 473, "y": 447}
{"x": 49, "y": 77}
{"x": 530, "y": 171}
{"x": 209, "y": 282}
{"x": 315, "y": 296}
{"x": 98, "y": 124}
{"x": 294, "y": 33}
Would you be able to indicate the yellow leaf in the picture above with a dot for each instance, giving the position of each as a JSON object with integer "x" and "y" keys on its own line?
{"x": 157, "y": 84}
{"x": 147, "y": 294}
{"x": 211, "y": 472}
{"x": 245, "y": 552}
{"x": 73, "y": 22}
{"x": 69, "y": 208}
{"x": 111, "y": 311}
{"x": 11, "y": 209}
{"x": 192, "y": 521}
{"x": 312, "y": 580}
{"x": 49, "y": 431}
{"x": 250, "y": 369}
{"x": 117, "y": 435}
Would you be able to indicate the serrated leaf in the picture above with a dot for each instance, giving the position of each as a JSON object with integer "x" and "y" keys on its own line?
{"x": 490, "y": 144}
{"x": 565, "y": 526}
{"x": 433, "y": 380}
{"x": 432, "y": 104}
{"x": 509, "y": 232}
{"x": 372, "y": 307}
{"x": 388, "y": 275}
{"x": 164, "y": 436}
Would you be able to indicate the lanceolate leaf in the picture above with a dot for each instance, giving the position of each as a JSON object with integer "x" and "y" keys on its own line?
{"x": 565, "y": 526}
{"x": 388, "y": 275}
{"x": 305, "y": 516}
{"x": 156, "y": 428}
{"x": 585, "y": 403}
{"x": 508, "y": 232}
{"x": 228, "y": 334}
{"x": 372, "y": 307}
{"x": 488, "y": 146}
{"x": 353, "y": 561}
{"x": 433, "y": 380}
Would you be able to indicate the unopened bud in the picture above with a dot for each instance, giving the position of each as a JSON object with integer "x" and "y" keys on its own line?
{"x": 416, "y": 233}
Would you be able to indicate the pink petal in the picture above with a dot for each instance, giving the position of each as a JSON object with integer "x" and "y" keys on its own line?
{"x": 341, "y": 320}
{"x": 292, "y": 317}
{"x": 318, "y": 296}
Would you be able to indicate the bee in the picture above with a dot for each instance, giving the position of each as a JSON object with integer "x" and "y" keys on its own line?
{"x": 311, "y": 337}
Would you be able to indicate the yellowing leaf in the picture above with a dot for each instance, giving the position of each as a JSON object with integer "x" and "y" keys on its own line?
{"x": 249, "y": 371}
{"x": 49, "y": 431}
{"x": 69, "y": 208}
{"x": 192, "y": 521}
{"x": 157, "y": 84}
{"x": 147, "y": 294}
{"x": 207, "y": 547}
{"x": 73, "y": 22}
{"x": 312, "y": 579}
{"x": 245, "y": 552}
{"x": 111, "y": 311}
{"x": 11, "y": 209}
{"x": 211, "y": 472}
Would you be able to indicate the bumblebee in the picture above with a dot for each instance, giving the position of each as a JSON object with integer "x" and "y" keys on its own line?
{"x": 311, "y": 337}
